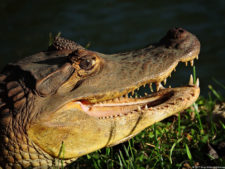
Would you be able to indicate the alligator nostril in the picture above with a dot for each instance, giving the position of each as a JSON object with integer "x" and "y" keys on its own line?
{"x": 175, "y": 38}
{"x": 181, "y": 30}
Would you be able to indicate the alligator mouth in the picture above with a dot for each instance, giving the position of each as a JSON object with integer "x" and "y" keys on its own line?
{"x": 128, "y": 102}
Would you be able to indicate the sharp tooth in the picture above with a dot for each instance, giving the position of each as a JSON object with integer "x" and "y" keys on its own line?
{"x": 159, "y": 86}
{"x": 191, "y": 80}
{"x": 135, "y": 96}
{"x": 132, "y": 93}
{"x": 169, "y": 86}
{"x": 164, "y": 81}
{"x": 146, "y": 94}
{"x": 197, "y": 57}
{"x": 144, "y": 85}
{"x": 192, "y": 62}
{"x": 197, "y": 82}
{"x": 150, "y": 85}
{"x": 174, "y": 69}
{"x": 186, "y": 63}
{"x": 146, "y": 107}
{"x": 139, "y": 108}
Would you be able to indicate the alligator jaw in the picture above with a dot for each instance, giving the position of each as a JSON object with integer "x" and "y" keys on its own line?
{"x": 124, "y": 105}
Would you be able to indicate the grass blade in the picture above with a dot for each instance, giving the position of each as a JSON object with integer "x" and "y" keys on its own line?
{"x": 219, "y": 83}
{"x": 198, "y": 117}
{"x": 123, "y": 160}
{"x": 218, "y": 96}
{"x": 120, "y": 161}
{"x": 194, "y": 75}
{"x": 172, "y": 148}
{"x": 188, "y": 152}
{"x": 61, "y": 151}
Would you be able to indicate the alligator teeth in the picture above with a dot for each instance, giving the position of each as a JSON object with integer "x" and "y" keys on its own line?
{"x": 159, "y": 86}
{"x": 150, "y": 86}
{"x": 192, "y": 62}
{"x": 174, "y": 69}
{"x": 186, "y": 63}
{"x": 164, "y": 81}
{"x": 197, "y": 82}
{"x": 197, "y": 57}
{"x": 191, "y": 81}
{"x": 146, "y": 107}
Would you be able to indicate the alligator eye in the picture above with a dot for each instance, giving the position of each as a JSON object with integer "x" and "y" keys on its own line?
{"x": 87, "y": 62}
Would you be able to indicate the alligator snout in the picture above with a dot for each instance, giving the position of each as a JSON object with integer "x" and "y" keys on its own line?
{"x": 177, "y": 38}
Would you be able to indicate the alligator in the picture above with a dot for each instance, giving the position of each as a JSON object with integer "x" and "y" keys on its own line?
{"x": 86, "y": 100}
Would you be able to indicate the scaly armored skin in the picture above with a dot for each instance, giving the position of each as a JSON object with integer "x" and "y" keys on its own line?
{"x": 78, "y": 97}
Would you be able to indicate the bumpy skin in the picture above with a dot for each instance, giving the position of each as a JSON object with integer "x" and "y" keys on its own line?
{"x": 42, "y": 97}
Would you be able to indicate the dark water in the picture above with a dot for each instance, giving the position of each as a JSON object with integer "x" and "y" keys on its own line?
{"x": 113, "y": 26}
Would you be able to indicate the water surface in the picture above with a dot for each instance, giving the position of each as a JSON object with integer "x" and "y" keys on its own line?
{"x": 113, "y": 26}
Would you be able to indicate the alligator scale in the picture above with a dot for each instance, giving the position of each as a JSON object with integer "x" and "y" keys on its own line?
{"x": 81, "y": 98}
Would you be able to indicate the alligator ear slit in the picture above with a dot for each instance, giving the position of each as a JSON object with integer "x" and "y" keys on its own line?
{"x": 53, "y": 81}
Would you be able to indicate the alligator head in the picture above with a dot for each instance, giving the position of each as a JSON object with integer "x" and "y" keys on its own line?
{"x": 82, "y": 98}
